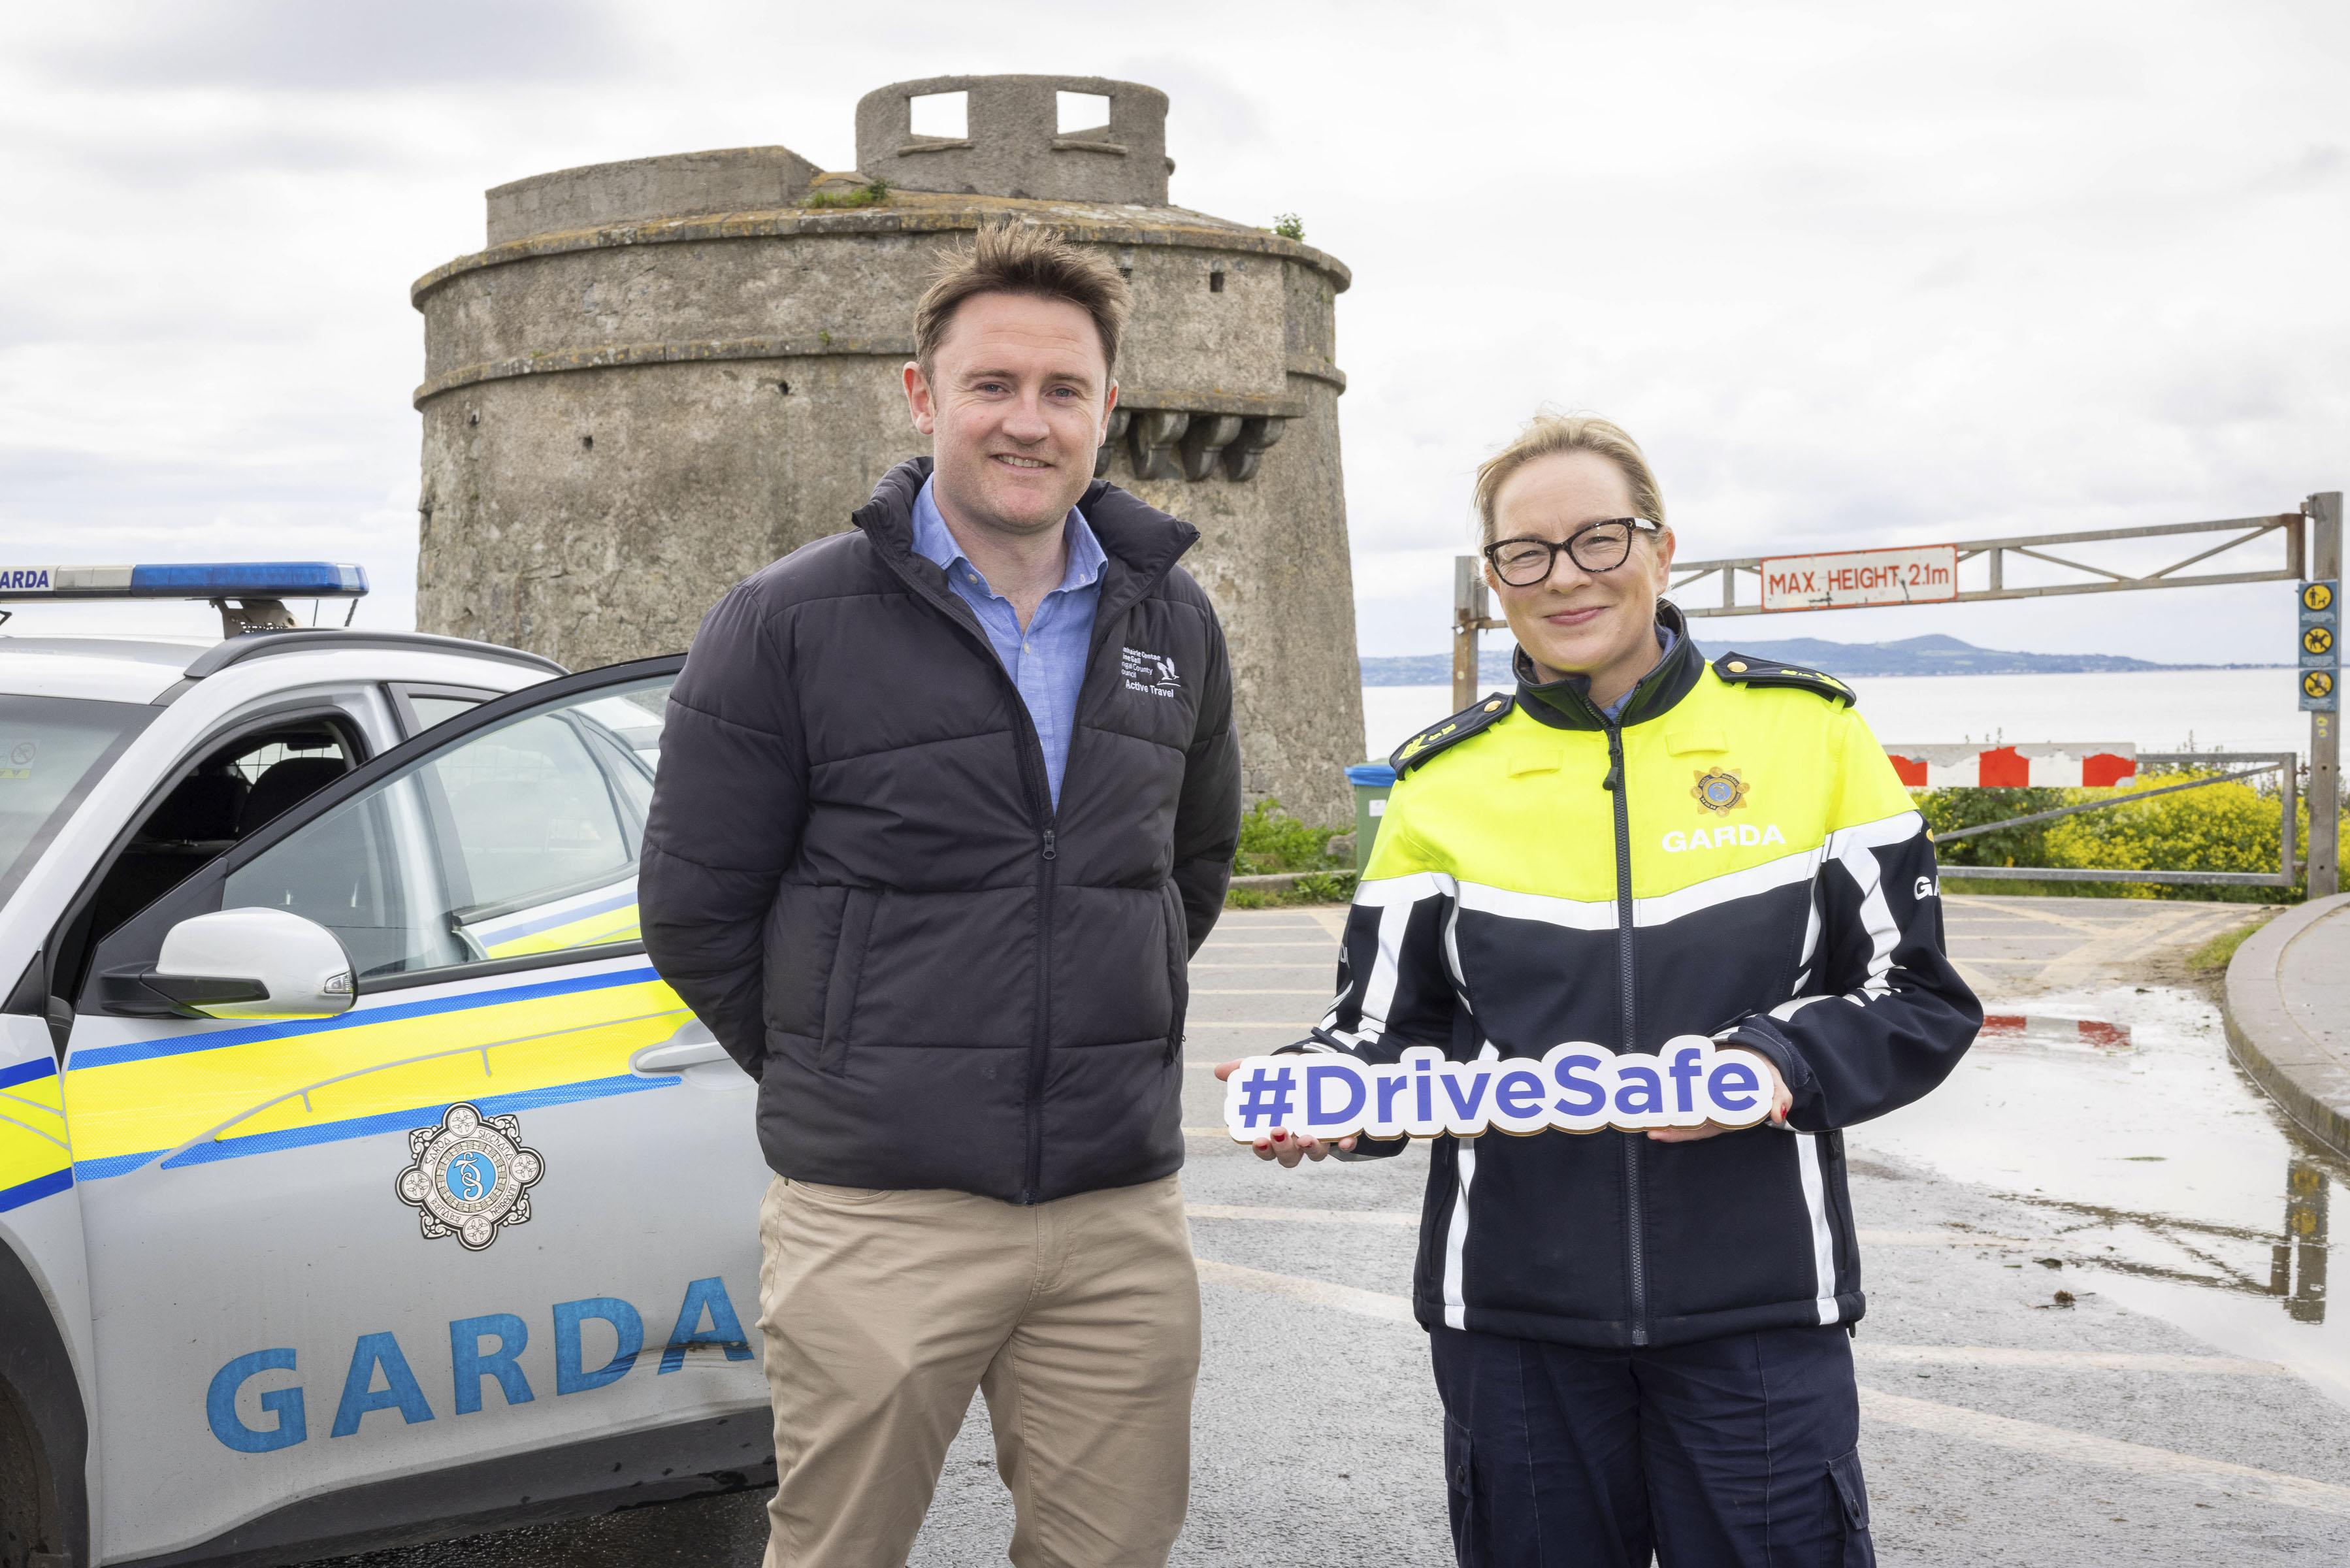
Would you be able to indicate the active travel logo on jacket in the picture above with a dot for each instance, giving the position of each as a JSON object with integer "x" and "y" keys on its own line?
{"x": 1151, "y": 672}
{"x": 1576, "y": 1088}
{"x": 1719, "y": 791}
{"x": 470, "y": 1176}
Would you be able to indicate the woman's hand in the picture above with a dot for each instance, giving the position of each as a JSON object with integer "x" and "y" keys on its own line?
{"x": 1780, "y": 1100}
{"x": 1284, "y": 1145}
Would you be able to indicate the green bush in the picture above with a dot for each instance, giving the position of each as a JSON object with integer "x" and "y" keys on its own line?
{"x": 1947, "y": 810}
{"x": 1286, "y": 225}
{"x": 1273, "y": 840}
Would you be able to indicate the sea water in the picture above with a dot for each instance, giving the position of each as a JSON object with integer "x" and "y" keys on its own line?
{"x": 2156, "y": 711}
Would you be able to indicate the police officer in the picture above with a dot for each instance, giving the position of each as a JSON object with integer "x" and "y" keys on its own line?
{"x": 1642, "y": 1339}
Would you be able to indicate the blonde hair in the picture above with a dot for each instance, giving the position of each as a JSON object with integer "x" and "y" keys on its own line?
{"x": 1020, "y": 258}
{"x": 1547, "y": 434}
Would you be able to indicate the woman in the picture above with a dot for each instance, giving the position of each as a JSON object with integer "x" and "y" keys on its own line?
{"x": 1641, "y": 1339}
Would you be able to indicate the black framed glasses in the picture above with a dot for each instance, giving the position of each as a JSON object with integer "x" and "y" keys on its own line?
{"x": 1600, "y": 546}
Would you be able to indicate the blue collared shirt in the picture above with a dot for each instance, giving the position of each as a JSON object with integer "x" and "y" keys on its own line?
{"x": 1665, "y": 640}
{"x": 1047, "y": 664}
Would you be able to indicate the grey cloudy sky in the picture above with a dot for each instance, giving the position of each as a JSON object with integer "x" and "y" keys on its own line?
{"x": 1854, "y": 273}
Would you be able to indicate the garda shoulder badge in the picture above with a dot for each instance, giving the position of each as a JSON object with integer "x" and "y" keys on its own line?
{"x": 470, "y": 1176}
{"x": 1480, "y": 715}
{"x": 1745, "y": 669}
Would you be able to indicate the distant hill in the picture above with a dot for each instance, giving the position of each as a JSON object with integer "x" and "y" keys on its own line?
{"x": 1853, "y": 660}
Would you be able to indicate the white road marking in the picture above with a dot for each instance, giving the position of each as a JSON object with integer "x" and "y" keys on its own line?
{"x": 1380, "y": 1217}
{"x": 1318, "y": 1293}
{"x": 2063, "y": 1443}
{"x": 1323, "y": 992}
{"x": 2086, "y": 1448}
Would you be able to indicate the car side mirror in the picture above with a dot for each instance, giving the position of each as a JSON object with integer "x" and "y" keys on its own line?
{"x": 253, "y": 963}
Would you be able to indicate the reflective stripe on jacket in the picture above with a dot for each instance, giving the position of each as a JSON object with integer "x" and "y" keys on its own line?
{"x": 1732, "y": 860}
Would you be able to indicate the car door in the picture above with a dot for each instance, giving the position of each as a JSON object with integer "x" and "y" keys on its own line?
{"x": 496, "y": 1223}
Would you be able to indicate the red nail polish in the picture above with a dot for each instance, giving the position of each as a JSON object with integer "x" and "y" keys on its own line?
{"x": 1279, "y": 1136}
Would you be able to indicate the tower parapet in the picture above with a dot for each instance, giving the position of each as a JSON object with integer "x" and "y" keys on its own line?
{"x": 1013, "y": 144}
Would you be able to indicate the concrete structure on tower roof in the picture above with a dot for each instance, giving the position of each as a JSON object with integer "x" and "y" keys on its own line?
{"x": 663, "y": 374}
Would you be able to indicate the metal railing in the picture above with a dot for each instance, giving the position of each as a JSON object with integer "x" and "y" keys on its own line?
{"x": 2245, "y": 764}
{"x": 2092, "y": 578}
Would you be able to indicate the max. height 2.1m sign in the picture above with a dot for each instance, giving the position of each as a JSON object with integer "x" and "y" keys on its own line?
{"x": 1847, "y": 579}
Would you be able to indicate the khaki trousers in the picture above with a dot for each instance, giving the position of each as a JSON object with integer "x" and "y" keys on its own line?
{"x": 884, "y": 1309}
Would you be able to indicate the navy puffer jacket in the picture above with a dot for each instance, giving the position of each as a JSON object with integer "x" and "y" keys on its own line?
{"x": 855, "y": 873}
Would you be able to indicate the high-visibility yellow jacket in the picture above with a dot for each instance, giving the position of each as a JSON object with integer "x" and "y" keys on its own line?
{"x": 1733, "y": 857}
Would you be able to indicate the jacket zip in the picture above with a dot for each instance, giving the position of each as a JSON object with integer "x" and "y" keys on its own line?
{"x": 1040, "y": 798}
{"x": 1635, "y": 1260}
{"x": 1031, "y": 752}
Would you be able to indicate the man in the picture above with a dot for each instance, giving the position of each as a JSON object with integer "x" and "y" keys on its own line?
{"x": 945, "y": 805}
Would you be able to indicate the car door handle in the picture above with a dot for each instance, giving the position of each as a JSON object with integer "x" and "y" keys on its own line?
{"x": 689, "y": 1047}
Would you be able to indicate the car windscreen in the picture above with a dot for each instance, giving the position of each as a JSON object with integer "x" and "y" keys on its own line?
{"x": 52, "y": 750}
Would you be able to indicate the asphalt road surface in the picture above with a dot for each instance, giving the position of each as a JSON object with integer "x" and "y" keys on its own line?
{"x": 2098, "y": 1328}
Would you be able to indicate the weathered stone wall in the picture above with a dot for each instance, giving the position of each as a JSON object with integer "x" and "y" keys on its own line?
{"x": 734, "y": 180}
{"x": 621, "y": 421}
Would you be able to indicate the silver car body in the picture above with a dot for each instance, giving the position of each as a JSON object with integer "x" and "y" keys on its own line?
{"x": 482, "y": 1248}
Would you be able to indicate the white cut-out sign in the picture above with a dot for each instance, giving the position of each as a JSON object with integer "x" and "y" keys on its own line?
{"x": 1576, "y": 1088}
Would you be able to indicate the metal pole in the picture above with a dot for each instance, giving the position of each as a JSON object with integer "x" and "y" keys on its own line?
{"x": 2324, "y": 729}
{"x": 1468, "y": 610}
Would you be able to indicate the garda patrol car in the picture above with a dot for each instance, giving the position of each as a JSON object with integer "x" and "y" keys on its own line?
{"x": 359, "y": 1181}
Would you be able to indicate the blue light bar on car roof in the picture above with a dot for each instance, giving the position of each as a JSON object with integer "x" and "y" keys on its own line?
{"x": 192, "y": 581}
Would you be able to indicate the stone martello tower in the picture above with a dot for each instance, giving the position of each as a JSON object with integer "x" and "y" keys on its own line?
{"x": 663, "y": 374}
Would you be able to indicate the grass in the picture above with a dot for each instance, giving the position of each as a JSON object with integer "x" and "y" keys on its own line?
{"x": 2210, "y": 960}
{"x": 1317, "y": 887}
{"x": 872, "y": 195}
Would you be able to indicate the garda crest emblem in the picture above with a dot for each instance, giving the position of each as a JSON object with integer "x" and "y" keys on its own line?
{"x": 470, "y": 1176}
{"x": 1719, "y": 791}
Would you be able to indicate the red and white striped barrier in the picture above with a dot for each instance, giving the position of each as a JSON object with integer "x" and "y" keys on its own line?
{"x": 2009, "y": 1027}
{"x": 2077, "y": 765}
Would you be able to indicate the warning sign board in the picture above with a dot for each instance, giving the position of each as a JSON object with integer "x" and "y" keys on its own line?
{"x": 2320, "y": 647}
{"x": 1847, "y": 579}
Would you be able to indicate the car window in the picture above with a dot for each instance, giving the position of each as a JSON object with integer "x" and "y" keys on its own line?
{"x": 518, "y": 839}
{"x": 232, "y": 792}
{"x": 431, "y": 711}
{"x": 533, "y": 813}
{"x": 52, "y": 750}
{"x": 363, "y": 871}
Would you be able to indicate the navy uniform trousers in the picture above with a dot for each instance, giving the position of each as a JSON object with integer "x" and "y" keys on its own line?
{"x": 1736, "y": 1452}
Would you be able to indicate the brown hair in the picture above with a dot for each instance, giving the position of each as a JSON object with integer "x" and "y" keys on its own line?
{"x": 1021, "y": 259}
{"x": 1548, "y": 433}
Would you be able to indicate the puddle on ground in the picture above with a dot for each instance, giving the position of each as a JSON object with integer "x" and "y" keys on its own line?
{"x": 2165, "y": 1178}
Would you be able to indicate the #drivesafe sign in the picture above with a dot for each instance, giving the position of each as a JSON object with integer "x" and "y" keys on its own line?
{"x": 1576, "y": 1088}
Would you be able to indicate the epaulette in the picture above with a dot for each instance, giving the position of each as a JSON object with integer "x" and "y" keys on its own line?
{"x": 1745, "y": 669}
{"x": 1484, "y": 712}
